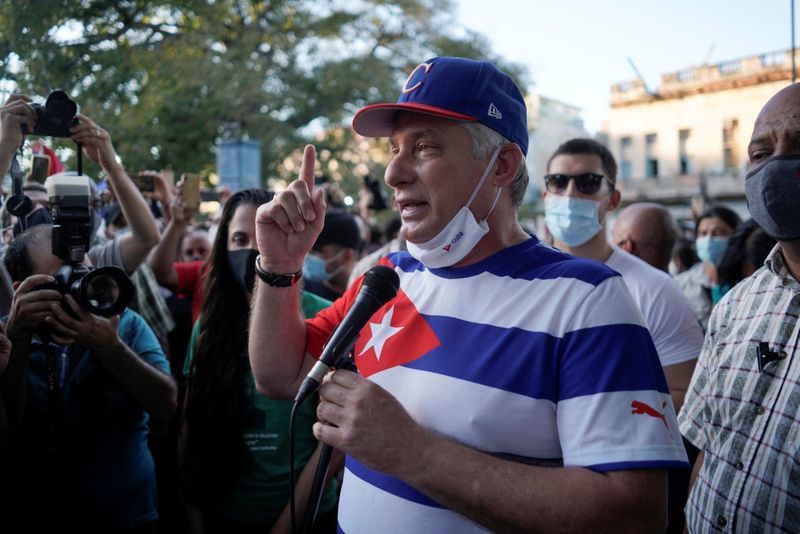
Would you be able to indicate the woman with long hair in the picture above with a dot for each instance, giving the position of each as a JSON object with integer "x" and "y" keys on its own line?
{"x": 234, "y": 468}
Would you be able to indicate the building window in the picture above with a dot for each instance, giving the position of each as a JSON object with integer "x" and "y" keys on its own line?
{"x": 730, "y": 152}
{"x": 683, "y": 151}
{"x": 625, "y": 170}
{"x": 651, "y": 155}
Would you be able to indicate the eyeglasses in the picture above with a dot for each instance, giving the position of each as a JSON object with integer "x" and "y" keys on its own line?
{"x": 587, "y": 184}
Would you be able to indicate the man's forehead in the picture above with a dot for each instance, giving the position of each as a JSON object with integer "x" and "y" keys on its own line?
{"x": 419, "y": 124}
{"x": 781, "y": 111}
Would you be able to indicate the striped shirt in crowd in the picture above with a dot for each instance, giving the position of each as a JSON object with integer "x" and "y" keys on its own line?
{"x": 748, "y": 421}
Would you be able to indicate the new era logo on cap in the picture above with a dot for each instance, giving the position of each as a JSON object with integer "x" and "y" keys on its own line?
{"x": 454, "y": 88}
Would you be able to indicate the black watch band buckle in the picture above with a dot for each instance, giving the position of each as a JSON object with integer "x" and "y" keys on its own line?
{"x": 275, "y": 279}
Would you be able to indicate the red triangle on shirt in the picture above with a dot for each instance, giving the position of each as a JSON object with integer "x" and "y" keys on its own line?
{"x": 395, "y": 335}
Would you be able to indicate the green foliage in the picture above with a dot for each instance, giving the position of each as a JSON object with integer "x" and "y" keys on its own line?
{"x": 163, "y": 76}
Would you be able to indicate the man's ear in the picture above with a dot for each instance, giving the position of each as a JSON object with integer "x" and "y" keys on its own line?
{"x": 614, "y": 199}
{"x": 627, "y": 246}
{"x": 508, "y": 162}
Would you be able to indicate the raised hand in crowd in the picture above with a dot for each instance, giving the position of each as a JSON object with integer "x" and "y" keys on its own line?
{"x": 163, "y": 192}
{"x": 162, "y": 259}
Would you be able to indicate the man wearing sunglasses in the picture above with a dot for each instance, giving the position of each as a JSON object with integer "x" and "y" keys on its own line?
{"x": 579, "y": 194}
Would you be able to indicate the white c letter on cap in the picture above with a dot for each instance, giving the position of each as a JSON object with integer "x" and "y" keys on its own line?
{"x": 406, "y": 88}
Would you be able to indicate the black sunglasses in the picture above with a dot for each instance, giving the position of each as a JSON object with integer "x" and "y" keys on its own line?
{"x": 587, "y": 184}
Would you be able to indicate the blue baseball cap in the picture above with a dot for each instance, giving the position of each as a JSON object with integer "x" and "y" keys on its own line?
{"x": 454, "y": 88}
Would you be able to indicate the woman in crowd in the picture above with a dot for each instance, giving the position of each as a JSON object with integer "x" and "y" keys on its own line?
{"x": 748, "y": 248}
{"x": 700, "y": 283}
{"x": 234, "y": 448}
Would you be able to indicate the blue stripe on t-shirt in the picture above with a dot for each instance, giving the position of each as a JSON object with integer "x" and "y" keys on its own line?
{"x": 388, "y": 484}
{"x": 585, "y": 362}
{"x": 643, "y": 464}
{"x": 529, "y": 260}
{"x": 611, "y": 358}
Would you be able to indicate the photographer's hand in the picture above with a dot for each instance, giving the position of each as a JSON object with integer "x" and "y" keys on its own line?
{"x": 92, "y": 331}
{"x": 151, "y": 389}
{"x": 30, "y": 308}
{"x": 16, "y": 112}
{"x": 136, "y": 245}
{"x": 96, "y": 143}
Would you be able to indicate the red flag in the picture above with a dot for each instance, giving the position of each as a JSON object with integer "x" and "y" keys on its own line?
{"x": 377, "y": 348}
{"x": 55, "y": 164}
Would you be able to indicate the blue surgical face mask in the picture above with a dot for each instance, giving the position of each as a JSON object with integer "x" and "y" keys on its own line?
{"x": 711, "y": 249}
{"x": 572, "y": 221}
{"x": 315, "y": 268}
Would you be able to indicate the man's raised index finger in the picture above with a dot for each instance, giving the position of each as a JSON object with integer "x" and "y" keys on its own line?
{"x": 307, "y": 168}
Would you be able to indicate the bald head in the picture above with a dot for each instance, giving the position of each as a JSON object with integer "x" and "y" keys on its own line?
{"x": 776, "y": 129}
{"x": 648, "y": 231}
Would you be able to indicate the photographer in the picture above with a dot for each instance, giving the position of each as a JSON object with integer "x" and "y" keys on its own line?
{"x": 83, "y": 403}
{"x": 130, "y": 250}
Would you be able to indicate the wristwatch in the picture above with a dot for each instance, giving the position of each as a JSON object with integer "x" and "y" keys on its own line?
{"x": 275, "y": 279}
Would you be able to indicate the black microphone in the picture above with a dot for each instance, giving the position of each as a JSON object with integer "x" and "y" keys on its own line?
{"x": 379, "y": 286}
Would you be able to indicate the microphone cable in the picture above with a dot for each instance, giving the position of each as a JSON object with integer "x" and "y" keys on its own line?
{"x": 292, "y": 419}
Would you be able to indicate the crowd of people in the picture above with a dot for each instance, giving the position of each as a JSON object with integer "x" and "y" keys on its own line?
{"x": 618, "y": 373}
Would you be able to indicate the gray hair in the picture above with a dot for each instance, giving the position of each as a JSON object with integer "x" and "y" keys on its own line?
{"x": 484, "y": 142}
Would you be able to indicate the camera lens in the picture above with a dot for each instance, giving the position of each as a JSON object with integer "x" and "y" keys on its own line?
{"x": 102, "y": 292}
{"x": 105, "y": 291}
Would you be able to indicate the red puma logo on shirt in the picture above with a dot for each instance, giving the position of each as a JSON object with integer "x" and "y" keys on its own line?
{"x": 643, "y": 408}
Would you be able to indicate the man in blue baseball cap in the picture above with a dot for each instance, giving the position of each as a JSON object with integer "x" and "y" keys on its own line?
{"x": 508, "y": 385}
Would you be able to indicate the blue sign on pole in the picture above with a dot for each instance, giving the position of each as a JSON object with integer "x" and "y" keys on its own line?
{"x": 239, "y": 164}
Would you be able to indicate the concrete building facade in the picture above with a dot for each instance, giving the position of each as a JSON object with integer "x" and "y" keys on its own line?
{"x": 550, "y": 123}
{"x": 689, "y": 138}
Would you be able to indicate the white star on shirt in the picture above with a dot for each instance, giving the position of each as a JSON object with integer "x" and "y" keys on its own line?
{"x": 381, "y": 333}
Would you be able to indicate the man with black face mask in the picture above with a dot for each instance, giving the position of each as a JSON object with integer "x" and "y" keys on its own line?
{"x": 742, "y": 404}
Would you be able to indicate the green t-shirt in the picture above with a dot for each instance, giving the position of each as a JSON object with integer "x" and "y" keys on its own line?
{"x": 263, "y": 491}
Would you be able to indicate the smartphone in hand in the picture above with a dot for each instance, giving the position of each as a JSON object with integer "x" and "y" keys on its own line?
{"x": 191, "y": 190}
{"x": 145, "y": 182}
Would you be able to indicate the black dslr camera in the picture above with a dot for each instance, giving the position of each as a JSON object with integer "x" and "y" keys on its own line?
{"x": 55, "y": 117}
{"x": 103, "y": 291}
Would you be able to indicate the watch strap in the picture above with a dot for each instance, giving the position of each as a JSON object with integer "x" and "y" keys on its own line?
{"x": 276, "y": 279}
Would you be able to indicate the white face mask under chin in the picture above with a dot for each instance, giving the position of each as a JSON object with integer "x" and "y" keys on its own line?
{"x": 460, "y": 235}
